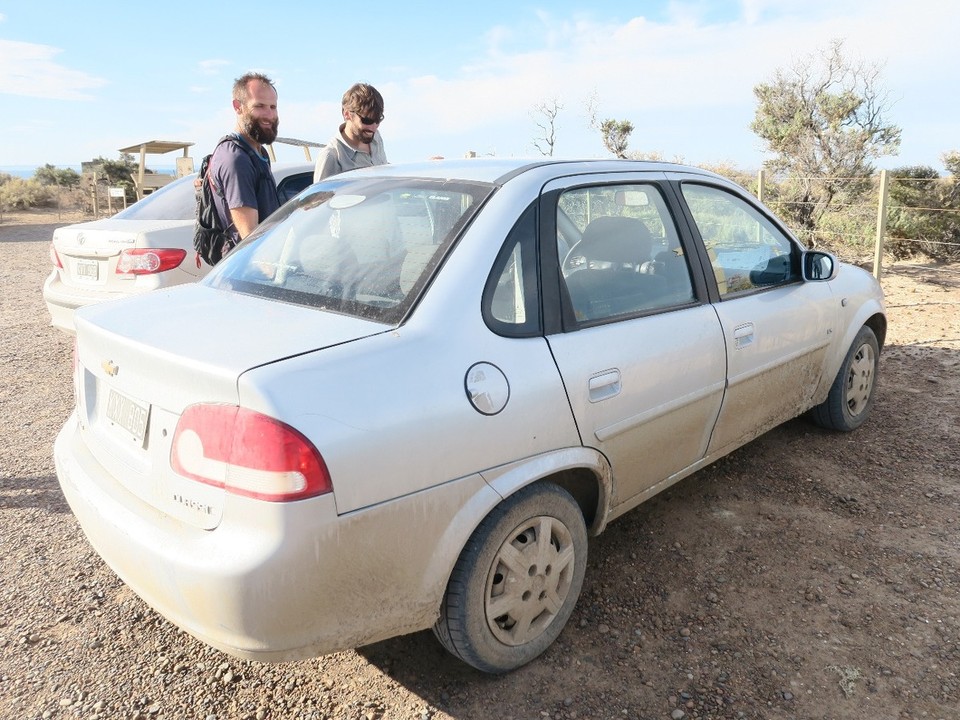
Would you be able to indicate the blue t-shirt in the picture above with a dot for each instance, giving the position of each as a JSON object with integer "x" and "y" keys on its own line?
{"x": 244, "y": 180}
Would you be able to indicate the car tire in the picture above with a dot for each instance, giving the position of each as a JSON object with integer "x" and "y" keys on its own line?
{"x": 516, "y": 581}
{"x": 851, "y": 395}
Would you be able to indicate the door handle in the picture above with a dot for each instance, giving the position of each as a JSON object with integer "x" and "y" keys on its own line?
{"x": 604, "y": 385}
{"x": 743, "y": 335}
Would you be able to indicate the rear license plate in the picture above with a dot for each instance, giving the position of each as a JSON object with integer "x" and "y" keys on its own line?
{"x": 87, "y": 269}
{"x": 128, "y": 415}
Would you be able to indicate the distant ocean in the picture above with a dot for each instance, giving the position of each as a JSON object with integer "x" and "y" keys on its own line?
{"x": 27, "y": 171}
{"x": 23, "y": 171}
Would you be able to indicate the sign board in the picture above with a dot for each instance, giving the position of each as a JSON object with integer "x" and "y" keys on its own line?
{"x": 117, "y": 192}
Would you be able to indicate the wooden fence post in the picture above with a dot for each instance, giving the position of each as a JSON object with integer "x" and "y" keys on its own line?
{"x": 96, "y": 199}
{"x": 760, "y": 178}
{"x": 881, "y": 225}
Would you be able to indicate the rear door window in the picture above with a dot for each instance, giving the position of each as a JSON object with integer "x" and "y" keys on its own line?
{"x": 511, "y": 304}
{"x": 627, "y": 258}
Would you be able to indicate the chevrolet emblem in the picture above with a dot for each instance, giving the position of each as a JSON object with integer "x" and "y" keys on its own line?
{"x": 109, "y": 368}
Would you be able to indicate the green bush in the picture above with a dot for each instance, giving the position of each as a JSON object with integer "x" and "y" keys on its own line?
{"x": 849, "y": 233}
{"x": 924, "y": 215}
{"x": 50, "y": 175}
{"x": 20, "y": 194}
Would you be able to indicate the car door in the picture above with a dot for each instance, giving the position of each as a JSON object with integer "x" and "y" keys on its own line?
{"x": 776, "y": 328}
{"x": 640, "y": 352}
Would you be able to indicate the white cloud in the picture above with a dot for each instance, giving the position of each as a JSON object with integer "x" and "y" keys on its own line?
{"x": 683, "y": 76}
{"x": 685, "y": 82}
{"x": 212, "y": 67}
{"x": 30, "y": 70}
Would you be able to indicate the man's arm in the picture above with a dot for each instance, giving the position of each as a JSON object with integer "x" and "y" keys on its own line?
{"x": 245, "y": 219}
{"x": 327, "y": 163}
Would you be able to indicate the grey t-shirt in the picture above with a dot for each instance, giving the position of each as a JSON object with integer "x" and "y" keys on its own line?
{"x": 337, "y": 156}
{"x": 244, "y": 181}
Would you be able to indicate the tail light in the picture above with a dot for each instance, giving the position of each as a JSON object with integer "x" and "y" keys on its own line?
{"x": 247, "y": 453}
{"x": 55, "y": 257}
{"x": 146, "y": 261}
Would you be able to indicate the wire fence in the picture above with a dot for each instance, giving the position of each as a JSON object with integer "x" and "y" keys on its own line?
{"x": 882, "y": 217}
{"x": 886, "y": 216}
{"x": 90, "y": 201}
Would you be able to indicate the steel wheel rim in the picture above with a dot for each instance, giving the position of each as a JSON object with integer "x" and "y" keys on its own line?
{"x": 860, "y": 379}
{"x": 529, "y": 580}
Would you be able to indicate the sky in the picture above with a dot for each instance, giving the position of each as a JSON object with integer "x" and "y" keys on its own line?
{"x": 80, "y": 81}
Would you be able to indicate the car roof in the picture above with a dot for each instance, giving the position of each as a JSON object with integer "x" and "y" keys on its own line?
{"x": 500, "y": 170}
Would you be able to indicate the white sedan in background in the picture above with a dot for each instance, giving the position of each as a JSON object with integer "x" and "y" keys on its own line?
{"x": 147, "y": 246}
{"x": 408, "y": 399}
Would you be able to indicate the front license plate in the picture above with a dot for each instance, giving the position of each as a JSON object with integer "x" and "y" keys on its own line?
{"x": 128, "y": 415}
{"x": 87, "y": 269}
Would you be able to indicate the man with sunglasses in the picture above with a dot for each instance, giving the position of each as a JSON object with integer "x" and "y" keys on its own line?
{"x": 357, "y": 143}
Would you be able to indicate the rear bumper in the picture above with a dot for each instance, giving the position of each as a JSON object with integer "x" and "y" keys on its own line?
{"x": 62, "y": 300}
{"x": 279, "y": 581}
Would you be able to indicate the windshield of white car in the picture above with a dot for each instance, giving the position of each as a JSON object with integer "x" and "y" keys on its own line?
{"x": 176, "y": 201}
{"x": 363, "y": 247}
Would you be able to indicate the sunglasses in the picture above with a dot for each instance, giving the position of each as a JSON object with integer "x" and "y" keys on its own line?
{"x": 370, "y": 121}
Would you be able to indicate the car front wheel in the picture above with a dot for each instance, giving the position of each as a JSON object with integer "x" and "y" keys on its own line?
{"x": 516, "y": 581}
{"x": 851, "y": 395}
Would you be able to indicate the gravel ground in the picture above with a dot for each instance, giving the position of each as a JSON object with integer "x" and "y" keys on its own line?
{"x": 808, "y": 575}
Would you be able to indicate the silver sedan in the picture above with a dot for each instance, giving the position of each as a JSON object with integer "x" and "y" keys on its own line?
{"x": 412, "y": 395}
{"x": 147, "y": 246}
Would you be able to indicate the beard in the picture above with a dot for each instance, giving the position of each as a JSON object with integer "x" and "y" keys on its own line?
{"x": 263, "y": 135}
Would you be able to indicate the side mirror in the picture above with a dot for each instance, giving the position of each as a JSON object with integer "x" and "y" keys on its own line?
{"x": 819, "y": 265}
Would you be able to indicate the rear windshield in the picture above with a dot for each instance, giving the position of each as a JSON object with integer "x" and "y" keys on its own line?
{"x": 363, "y": 247}
{"x": 176, "y": 201}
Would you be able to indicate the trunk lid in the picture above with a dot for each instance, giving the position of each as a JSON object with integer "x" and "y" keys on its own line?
{"x": 142, "y": 360}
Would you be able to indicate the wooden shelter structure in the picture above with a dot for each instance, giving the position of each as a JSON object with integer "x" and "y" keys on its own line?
{"x": 144, "y": 182}
{"x": 305, "y": 144}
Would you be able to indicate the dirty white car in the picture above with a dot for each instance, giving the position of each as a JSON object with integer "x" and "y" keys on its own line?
{"x": 147, "y": 246}
{"x": 412, "y": 395}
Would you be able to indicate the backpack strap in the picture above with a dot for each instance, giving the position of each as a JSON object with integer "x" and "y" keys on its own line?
{"x": 257, "y": 159}
{"x": 205, "y": 168}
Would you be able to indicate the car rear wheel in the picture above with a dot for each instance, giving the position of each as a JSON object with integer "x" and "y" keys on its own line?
{"x": 851, "y": 395}
{"x": 516, "y": 581}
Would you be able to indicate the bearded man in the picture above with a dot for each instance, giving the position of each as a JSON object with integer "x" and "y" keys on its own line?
{"x": 357, "y": 142}
{"x": 245, "y": 192}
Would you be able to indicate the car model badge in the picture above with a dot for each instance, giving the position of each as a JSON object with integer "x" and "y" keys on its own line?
{"x": 109, "y": 368}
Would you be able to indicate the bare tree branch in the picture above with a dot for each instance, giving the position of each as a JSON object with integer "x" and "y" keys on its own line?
{"x": 546, "y": 113}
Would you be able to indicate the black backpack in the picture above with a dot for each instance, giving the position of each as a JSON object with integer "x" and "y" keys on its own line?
{"x": 210, "y": 238}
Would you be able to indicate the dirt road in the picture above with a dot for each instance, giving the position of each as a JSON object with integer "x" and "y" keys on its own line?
{"x": 808, "y": 575}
